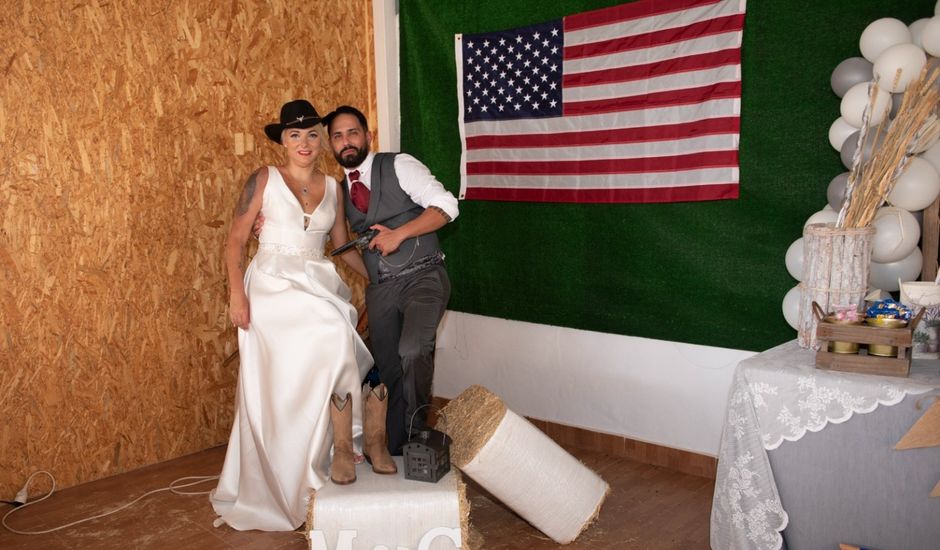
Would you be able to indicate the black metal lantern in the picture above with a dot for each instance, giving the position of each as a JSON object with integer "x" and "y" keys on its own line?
{"x": 426, "y": 455}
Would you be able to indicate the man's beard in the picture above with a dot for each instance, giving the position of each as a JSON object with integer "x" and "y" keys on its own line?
{"x": 355, "y": 160}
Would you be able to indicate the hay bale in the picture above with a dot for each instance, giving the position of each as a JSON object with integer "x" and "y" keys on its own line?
{"x": 521, "y": 466}
{"x": 475, "y": 415}
{"x": 389, "y": 511}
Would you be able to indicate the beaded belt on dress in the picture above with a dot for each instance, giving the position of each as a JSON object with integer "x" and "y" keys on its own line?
{"x": 289, "y": 250}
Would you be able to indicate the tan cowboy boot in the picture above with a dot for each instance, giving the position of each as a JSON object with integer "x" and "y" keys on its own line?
{"x": 343, "y": 470}
{"x": 374, "y": 444}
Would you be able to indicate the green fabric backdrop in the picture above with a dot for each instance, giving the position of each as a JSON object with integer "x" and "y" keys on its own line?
{"x": 708, "y": 273}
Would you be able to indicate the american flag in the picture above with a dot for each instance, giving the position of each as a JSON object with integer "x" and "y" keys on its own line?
{"x": 635, "y": 103}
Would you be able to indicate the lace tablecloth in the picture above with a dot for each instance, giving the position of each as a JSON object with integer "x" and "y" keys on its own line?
{"x": 778, "y": 396}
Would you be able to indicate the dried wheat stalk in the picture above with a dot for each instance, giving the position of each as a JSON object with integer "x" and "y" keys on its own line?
{"x": 916, "y": 123}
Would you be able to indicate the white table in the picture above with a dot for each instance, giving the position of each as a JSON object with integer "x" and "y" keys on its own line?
{"x": 834, "y": 481}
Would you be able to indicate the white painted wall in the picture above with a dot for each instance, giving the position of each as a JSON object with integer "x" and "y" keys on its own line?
{"x": 385, "y": 16}
{"x": 661, "y": 392}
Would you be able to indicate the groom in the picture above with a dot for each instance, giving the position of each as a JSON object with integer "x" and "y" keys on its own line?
{"x": 397, "y": 195}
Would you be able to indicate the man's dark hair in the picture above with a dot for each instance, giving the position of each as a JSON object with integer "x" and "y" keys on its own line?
{"x": 347, "y": 110}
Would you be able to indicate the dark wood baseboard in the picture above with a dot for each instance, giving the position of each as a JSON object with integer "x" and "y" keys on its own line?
{"x": 686, "y": 462}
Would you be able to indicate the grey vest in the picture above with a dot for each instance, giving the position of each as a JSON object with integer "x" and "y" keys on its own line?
{"x": 390, "y": 206}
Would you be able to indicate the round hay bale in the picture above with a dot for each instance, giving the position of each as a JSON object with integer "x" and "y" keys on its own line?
{"x": 474, "y": 414}
{"x": 521, "y": 466}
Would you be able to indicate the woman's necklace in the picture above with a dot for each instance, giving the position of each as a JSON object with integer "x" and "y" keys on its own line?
{"x": 305, "y": 199}
{"x": 304, "y": 190}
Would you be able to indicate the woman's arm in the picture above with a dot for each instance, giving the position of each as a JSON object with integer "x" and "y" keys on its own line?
{"x": 340, "y": 236}
{"x": 249, "y": 204}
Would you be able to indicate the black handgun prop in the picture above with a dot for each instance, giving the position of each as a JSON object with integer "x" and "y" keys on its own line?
{"x": 359, "y": 242}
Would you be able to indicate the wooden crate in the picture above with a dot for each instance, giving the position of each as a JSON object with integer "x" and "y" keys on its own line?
{"x": 862, "y": 362}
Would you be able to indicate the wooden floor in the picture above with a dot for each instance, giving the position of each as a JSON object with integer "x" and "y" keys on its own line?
{"x": 648, "y": 507}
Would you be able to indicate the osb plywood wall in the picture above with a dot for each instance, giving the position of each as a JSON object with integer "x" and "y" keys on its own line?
{"x": 126, "y": 131}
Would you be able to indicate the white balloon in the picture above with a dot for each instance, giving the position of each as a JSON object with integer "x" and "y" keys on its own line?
{"x": 930, "y": 37}
{"x": 917, "y": 187}
{"x": 917, "y": 31}
{"x": 823, "y": 216}
{"x": 794, "y": 259}
{"x": 855, "y": 102}
{"x": 791, "y": 307}
{"x": 839, "y": 131}
{"x": 885, "y": 276}
{"x": 880, "y": 35}
{"x": 932, "y": 155}
{"x": 926, "y": 144}
{"x": 897, "y": 66}
{"x": 896, "y": 234}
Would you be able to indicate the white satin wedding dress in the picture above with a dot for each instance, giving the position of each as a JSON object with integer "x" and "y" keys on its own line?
{"x": 300, "y": 347}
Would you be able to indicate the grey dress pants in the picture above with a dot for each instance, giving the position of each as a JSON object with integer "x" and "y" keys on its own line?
{"x": 404, "y": 313}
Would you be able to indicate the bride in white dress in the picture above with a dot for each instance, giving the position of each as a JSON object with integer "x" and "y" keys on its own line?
{"x": 297, "y": 338}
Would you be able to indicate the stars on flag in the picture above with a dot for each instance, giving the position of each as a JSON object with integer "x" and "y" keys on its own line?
{"x": 514, "y": 74}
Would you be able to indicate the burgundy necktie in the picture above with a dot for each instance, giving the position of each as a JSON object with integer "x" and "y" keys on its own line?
{"x": 359, "y": 193}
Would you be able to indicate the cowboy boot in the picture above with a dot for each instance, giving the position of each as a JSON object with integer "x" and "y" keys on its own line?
{"x": 374, "y": 443}
{"x": 343, "y": 470}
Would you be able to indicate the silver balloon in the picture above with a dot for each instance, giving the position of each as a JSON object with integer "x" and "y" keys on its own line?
{"x": 849, "y": 73}
{"x": 848, "y": 149}
{"x": 871, "y": 143}
{"x": 835, "y": 194}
